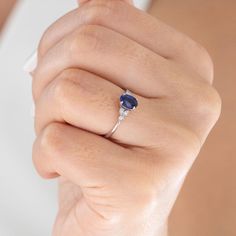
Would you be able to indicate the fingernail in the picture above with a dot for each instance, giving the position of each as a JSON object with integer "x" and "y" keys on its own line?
{"x": 31, "y": 63}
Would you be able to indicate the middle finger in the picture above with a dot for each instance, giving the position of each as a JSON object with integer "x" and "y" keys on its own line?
{"x": 112, "y": 56}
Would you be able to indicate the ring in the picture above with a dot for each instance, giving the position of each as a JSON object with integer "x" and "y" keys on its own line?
{"x": 127, "y": 103}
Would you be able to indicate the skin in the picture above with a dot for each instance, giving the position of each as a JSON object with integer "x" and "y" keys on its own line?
{"x": 5, "y": 9}
{"x": 127, "y": 183}
{"x": 184, "y": 222}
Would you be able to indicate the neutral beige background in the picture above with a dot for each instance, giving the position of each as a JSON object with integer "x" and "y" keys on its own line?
{"x": 207, "y": 203}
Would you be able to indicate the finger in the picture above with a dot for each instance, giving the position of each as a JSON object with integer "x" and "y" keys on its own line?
{"x": 89, "y": 102}
{"x": 83, "y": 158}
{"x": 102, "y": 169}
{"x": 111, "y": 56}
{"x": 151, "y": 126}
{"x": 91, "y": 161}
{"x": 136, "y": 25}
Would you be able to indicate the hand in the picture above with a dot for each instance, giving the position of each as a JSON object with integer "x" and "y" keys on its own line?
{"x": 125, "y": 185}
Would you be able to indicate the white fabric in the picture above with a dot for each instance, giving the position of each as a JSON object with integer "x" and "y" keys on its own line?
{"x": 27, "y": 203}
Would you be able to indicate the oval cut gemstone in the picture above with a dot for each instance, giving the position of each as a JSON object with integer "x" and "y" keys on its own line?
{"x": 128, "y": 102}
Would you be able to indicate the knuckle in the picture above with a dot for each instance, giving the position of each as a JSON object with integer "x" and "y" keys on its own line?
{"x": 207, "y": 62}
{"x": 204, "y": 61}
{"x": 43, "y": 169}
{"x": 205, "y": 56}
{"x": 51, "y": 139}
{"x": 86, "y": 39}
{"x": 44, "y": 42}
{"x": 60, "y": 89}
{"x": 69, "y": 85}
{"x": 208, "y": 104}
{"x": 214, "y": 103}
{"x": 45, "y": 148}
{"x": 97, "y": 12}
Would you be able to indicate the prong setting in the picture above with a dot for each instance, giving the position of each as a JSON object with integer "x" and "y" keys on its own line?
{"x": 127, "y": 103}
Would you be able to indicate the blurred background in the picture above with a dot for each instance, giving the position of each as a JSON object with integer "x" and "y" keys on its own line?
{"x": 27, "y": 203}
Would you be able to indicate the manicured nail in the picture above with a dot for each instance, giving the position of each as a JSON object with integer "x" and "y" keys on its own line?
{"x": 31, "y": 63}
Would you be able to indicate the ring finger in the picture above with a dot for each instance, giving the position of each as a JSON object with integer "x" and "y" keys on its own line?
{"x": 90, "y": 102}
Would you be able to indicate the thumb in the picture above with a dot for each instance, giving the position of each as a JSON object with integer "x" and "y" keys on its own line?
{"x": 83, "y": 1}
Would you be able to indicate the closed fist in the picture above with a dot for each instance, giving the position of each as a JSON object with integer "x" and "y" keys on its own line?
{"x": 127, "y": 184}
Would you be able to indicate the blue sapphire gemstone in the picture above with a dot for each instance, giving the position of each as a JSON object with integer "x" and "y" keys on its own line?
{"x": 128, "y": 102}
